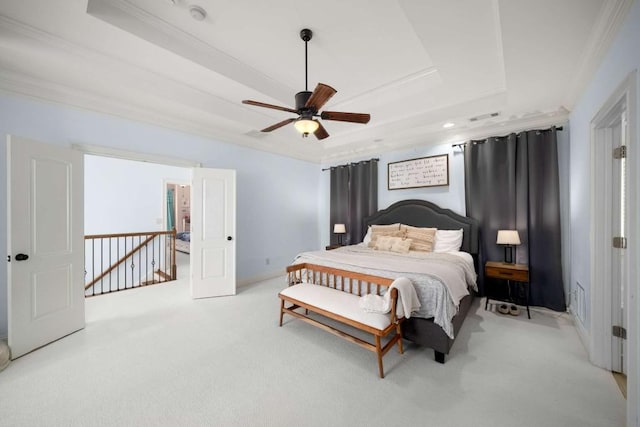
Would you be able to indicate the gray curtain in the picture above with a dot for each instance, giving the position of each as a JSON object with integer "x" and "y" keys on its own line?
{"x": 339, "y": 199}
{"x": 354, "y": 196}
{"x": 511, "y": 182}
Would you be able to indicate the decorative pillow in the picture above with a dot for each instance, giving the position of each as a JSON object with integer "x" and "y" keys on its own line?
{"x": 402, "y": 246}
{"x": 448, "y": 240}
{"x": 422, "y": 238}
{"x": 384, "y": 230}
{"x": 385, "y": 243}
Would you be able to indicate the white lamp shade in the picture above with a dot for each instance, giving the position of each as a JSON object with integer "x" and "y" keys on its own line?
{"x": 339, "y": 228}
{"x": 508, "y": 237}
{"x": 306, "y": 125}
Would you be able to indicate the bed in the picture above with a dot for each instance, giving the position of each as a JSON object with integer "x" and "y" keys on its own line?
{"x": 437, "y": 325}
{"x": 183, "y": 241}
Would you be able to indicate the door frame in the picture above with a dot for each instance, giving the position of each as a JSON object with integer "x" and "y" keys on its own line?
{"x": 600, "y": 348}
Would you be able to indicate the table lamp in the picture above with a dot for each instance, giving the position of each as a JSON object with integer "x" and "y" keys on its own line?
{"x": 339, "y": 229}
{"x": 508, "y": 238}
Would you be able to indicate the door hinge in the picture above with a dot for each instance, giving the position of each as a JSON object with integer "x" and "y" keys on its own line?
{"x": 619, "y": 331}
{"x": 619, "y": 242}
{"x": 620, "y": 152}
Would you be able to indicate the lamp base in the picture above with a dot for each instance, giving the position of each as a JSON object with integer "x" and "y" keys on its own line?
{"x": 508, "y": 255}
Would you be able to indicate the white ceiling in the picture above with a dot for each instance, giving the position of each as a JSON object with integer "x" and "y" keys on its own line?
{"x": 412, "y": 64}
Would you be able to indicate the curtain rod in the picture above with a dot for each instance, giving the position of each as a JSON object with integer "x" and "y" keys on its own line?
{"x": 352, "y": 163}
{"x": 465, "y": 143}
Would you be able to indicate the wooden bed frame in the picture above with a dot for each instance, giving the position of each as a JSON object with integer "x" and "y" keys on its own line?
{"x": 420, "y": 213}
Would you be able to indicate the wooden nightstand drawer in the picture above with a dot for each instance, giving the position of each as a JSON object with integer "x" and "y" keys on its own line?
{"x": 516, "y": 272}
{"x": 515, "y": 276}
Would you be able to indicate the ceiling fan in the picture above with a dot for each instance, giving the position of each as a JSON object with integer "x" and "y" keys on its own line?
{"x": 308, "y": 105}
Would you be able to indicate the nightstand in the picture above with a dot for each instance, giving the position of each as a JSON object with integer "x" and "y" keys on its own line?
{"x": 330, "y": 247}
{"x": 518, "y": 273}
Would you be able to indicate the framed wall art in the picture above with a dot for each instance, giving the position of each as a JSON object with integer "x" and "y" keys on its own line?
{"x": 432, "y": 171}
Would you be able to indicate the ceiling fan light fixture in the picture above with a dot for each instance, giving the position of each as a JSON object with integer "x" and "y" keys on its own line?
{"x": 306, "y": 126}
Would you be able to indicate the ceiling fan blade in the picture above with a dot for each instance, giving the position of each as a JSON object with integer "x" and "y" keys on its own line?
{"x": 321, "y": 132}
{"x": 262, "y": 104}
{"x": 321, "y": 94}
{"x": 278, "y": 125}
{"x": 346, "y": 117}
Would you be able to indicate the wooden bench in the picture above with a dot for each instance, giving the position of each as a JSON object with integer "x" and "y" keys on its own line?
{"x": 335, "y": 294}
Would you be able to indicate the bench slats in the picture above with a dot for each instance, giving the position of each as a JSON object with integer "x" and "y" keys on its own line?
{"x": 326, "y": 276}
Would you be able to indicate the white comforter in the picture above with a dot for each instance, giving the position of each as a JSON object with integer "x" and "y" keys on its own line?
{"x": 441, "y": 279}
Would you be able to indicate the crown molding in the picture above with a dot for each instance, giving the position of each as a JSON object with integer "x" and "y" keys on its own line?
{"x": 12, "y": 83}
{"x": 610, "y": 20}
{"x": 449, "y": 137}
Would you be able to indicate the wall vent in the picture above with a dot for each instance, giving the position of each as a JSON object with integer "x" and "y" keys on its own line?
{"x": 484, "y": 116}
{"x": 579, "y": 303}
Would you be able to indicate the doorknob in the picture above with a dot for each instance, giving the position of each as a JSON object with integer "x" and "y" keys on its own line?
{"x": 229, "y": 238}
{"x": 22, "y": 257}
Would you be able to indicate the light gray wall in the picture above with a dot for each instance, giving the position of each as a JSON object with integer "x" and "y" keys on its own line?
{"x": 126, "y": 196}
{"x": 622, "y": 58}
{"x": 277, "y": 203}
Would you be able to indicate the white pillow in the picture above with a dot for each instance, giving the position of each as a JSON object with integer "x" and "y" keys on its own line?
{"x": 448, "y": 240}
{"x": 367, "y": 237}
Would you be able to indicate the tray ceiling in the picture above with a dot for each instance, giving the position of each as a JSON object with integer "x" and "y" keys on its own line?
{"x": 414, "y": 65}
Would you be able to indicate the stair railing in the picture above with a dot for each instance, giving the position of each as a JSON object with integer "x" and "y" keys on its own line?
{"x": 115, "y": 262}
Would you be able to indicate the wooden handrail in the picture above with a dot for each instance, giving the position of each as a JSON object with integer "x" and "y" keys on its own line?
{"x": 106, "y": 236}
{"x": 153, "y": 235}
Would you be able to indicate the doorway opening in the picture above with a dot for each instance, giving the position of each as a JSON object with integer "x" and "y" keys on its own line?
{"x": 130, "y": 209}
{"x": 177, "y": 214}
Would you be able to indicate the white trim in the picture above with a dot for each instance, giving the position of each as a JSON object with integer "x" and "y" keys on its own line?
{"x": 600, "y": 343}
{"x": 98, "y": 150}
{"x": 582, "y": 332}
{"x": 611, "y": 18}
{"x": 600, "y": 302}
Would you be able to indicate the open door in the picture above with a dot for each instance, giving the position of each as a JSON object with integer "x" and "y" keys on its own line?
{"x": 213, "y": 230}
{"x": 45, "y": 243}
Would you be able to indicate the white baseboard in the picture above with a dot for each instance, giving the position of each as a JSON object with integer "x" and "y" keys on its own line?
{"x": 582, "y": 332}
{"x": 261, "y": 277}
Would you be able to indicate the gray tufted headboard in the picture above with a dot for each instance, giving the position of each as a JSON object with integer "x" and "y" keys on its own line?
{"x": 420, "y": 213}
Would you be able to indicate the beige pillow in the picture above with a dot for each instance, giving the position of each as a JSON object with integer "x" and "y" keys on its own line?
{"x": 402, "y": 246}
{"x": 384, "y": 230}
{"x": 422, "y": 238}
{"x": 385, "y": 243}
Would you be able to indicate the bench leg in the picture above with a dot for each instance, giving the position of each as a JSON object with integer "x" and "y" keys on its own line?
{"x": 281, "y": 310}
{"x": 399, "y": 332}
{"x": 379, "y": 354}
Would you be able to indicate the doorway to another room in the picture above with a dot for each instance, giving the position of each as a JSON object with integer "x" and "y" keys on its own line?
{"x": 177, "y": 202}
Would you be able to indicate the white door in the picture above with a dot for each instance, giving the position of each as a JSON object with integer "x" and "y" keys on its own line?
{"x": 45, "y": 243}
{"x": 213, "y": 233}
{"x": 618, "y": 254}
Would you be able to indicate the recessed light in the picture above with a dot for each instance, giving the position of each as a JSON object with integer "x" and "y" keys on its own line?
{"x": 197, "y": 12}
{"x": 448, "y": 125}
